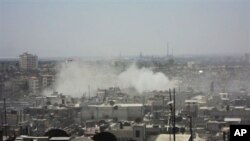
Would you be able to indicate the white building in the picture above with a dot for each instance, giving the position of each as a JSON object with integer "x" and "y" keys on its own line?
{"x": 140, "y": 132}
{"x": 28, "y": 61}
{"x": 34, "y": 85}
{"x": 119, "y": 111}
{"x": 224, "y": 96}
{"x": 168, "y": 137}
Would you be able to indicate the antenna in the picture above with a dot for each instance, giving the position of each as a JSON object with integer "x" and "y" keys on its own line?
{"x": 171, "y": 110}
{"x": 5, "y": 117}
{"x": 89, "y": 91}
{"x": 174, "y": 113}
{"x": 172, "y": 52}
{"x": 167, "y": 49}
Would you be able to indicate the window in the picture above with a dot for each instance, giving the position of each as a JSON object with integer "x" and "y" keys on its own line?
{"x": 137, "y": 133}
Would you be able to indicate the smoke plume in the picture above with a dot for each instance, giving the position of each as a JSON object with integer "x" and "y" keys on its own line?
{"x": 78, "y": 78}
{"x": 144, "y": 79}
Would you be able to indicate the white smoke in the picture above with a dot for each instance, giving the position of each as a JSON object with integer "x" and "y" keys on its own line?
{"x": 77, "y": 78}
{"x": 144, "y": 79}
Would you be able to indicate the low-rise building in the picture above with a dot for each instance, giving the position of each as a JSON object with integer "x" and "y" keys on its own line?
{"x": 119, "y": 111}
{"x": 47, "y": 81}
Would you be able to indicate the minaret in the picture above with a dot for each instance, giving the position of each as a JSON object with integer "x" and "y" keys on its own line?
{"x": 172, "y": 52}
{"x": 140, "y": 54}
{"x": 167, "y": 50}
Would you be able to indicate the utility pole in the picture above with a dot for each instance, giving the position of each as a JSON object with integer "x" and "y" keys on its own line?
{"x": 1, "y": 132}
{"x": 167, "y": 50}
{"x": 174, "y": 113}
{"x": 190, "y": 126}
{"x": 5, "y": 117}
{"x": 171, "y": 111}
{"x": 170, "y": 97}
{"x": 89, "y": 91}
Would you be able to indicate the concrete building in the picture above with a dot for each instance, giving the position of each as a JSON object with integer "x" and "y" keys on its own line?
{"x": 47, "y": 81}
{"x": 143, "y": 132}
{"x": 205, "y": 111}
{"x": 126, "y": 134}
{"x": 192, "y": 106}
{"x": 215, "y": 126}
{"x": 31, "y": 138}
{"x": 34, "y": 85}
{"x": 167, "y": 137}
{"x": 55, "y": 100}
{"x": 135, "y": 132}
{"x": 139, "y": 132}
{"x": 28, "y": 61}
{"x": 234, "y": 112}
{"x": 119, "y": 111}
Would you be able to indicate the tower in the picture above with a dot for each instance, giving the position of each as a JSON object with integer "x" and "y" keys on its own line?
{"x": 28, "y": 61}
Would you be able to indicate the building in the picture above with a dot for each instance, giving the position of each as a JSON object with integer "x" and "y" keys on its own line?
{"x": 119, "y": 111}
{"x": 143, "y": 132}
{"x": 28, "y": 61}
{"x": 47, "y": 81}
{"x": 247, "y": 57}
{"x": 168, "y": 137}
{"x": 139, "y": 132}
{"x": 55, "y": 100}
{"x": 34, "y": 85}
{"x": 192, "y": 106}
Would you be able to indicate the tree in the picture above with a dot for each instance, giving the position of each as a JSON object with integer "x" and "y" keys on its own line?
{"x": 112, "y": 103}
{"x": 138, "y": 120}
{"x": 104, "y": 136}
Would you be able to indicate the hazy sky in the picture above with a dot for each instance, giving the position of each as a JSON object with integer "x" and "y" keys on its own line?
{"x": 67, "y": 28}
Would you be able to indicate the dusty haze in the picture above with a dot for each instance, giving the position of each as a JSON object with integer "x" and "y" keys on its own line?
{"x": 74, "y": 78}
{"x": 72, "y": 28}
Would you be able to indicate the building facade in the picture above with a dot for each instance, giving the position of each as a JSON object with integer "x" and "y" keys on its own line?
{"x": 119, "y": 111}
{"x": 28, "y": 61}
{"x": 47, "y": 81}
{"x": 34, "y": 85}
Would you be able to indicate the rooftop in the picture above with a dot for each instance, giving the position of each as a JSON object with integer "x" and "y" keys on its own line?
{"x": 232, "y": 119}
{"x": 119, "y": 105}
{"x": 59, "y": 139}
{"x": 206, "y": 108}
{"x": 167, "y": 137}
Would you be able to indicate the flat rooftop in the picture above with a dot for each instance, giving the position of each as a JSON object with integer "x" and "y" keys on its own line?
{"x": 59, "y": 139}
{"x": 119, "y": 105}
{"x": 169, "y": 137}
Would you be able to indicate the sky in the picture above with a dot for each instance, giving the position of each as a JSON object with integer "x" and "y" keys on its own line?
{"x": 78, "y": 28}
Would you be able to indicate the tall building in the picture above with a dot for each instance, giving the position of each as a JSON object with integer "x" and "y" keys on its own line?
{"x": 28, "y": 61}
{"x": 34, "y": 86}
